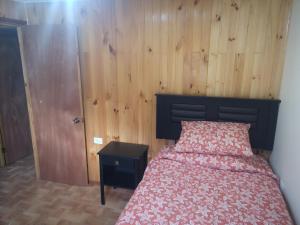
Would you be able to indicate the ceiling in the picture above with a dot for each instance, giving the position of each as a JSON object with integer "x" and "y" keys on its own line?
{"x": 29, "y": 1}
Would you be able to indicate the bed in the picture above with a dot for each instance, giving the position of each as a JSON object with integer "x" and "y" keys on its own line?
{"x": 191, "y": 187}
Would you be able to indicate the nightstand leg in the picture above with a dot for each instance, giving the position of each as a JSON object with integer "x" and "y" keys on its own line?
{"x": 102, "y": 194}
{"x": 101, "y": 183}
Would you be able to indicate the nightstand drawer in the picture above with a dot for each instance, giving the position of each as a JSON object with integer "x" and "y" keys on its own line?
{"x": 118, "y": 163}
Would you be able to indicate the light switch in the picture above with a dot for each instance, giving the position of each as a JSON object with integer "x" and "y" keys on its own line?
{"x": 98, "y": 141}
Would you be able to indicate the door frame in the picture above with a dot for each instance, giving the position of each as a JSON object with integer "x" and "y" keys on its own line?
{"x": 18, "y": 23}
{"x": 29, "y": 106}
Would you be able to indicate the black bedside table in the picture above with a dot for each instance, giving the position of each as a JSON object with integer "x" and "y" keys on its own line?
{"x": 122, "y": 165}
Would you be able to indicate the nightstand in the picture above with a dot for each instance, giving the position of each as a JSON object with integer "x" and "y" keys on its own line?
{"x": 122, "y": 165}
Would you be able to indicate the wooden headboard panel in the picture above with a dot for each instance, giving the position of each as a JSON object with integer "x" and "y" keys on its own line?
{"x": 260, "y": 113}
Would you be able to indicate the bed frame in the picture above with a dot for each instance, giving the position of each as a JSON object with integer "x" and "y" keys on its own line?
{"x": 260, "y": 113}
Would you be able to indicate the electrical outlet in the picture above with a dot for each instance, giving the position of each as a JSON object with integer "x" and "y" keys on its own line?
{"x": 98, "y": 141}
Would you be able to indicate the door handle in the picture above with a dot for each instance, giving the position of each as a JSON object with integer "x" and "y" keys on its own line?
{"x": 76, "y": 120}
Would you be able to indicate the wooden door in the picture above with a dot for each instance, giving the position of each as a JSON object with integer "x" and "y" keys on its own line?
{"x": 15, "y": 130}
{"x": 50, "y": 59}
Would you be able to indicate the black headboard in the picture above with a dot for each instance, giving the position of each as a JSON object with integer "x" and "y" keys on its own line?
{"x": 260, "y": 113}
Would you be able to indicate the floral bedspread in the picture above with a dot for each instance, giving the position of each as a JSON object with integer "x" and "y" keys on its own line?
{"x": 191, "y": 188}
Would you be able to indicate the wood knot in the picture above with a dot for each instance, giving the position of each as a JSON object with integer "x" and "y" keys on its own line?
{"x": 196, "y": 2}
{"x": 180, "y": 7}
{"x": 231, "y": 39}
{"x": 191, "y": 86}
{"x": 112, "y": 50}
{"x": 178, "y": 46}
{"x": 205, "y": 58}
{"x": 218, "y": 17}
{"x": 146, "y": 101}
{"x": 95, "y": 102}
{"x": 202, "y": 50}
{"x": 126, "y": 107}
{"x": 116, "y": 138}
{"x": 235, "y": 6}
{"x": 149, "y": 49}
{"x": 142, "y": 94}
{"x": 280, "y": 37}
{"x": 116, "y": 110}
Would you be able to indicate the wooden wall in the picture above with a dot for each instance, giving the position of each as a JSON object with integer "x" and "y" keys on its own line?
{"x": 12, "y": 10}
{"x": 132, "y": 49}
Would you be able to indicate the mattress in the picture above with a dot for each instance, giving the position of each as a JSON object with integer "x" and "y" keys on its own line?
{"x": 193, "y": 188}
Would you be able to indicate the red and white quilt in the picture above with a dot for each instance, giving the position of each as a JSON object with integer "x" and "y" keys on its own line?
{"x": 193, "y": 188}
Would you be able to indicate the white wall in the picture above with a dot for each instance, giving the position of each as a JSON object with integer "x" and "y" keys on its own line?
{"x": 285, "y": 158}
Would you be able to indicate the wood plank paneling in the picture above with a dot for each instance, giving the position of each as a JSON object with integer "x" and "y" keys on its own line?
{"x": 132, "y": 49}
{"x": 12, "y": 10}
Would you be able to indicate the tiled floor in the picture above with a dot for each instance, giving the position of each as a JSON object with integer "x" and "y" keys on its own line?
{"x": 27, "y": 201}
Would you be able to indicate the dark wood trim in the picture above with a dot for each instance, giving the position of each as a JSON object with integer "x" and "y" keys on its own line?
{"x": 12, "y": 22}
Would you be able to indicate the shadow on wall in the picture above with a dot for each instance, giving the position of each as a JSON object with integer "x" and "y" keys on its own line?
{"x": 285, "y": 158}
